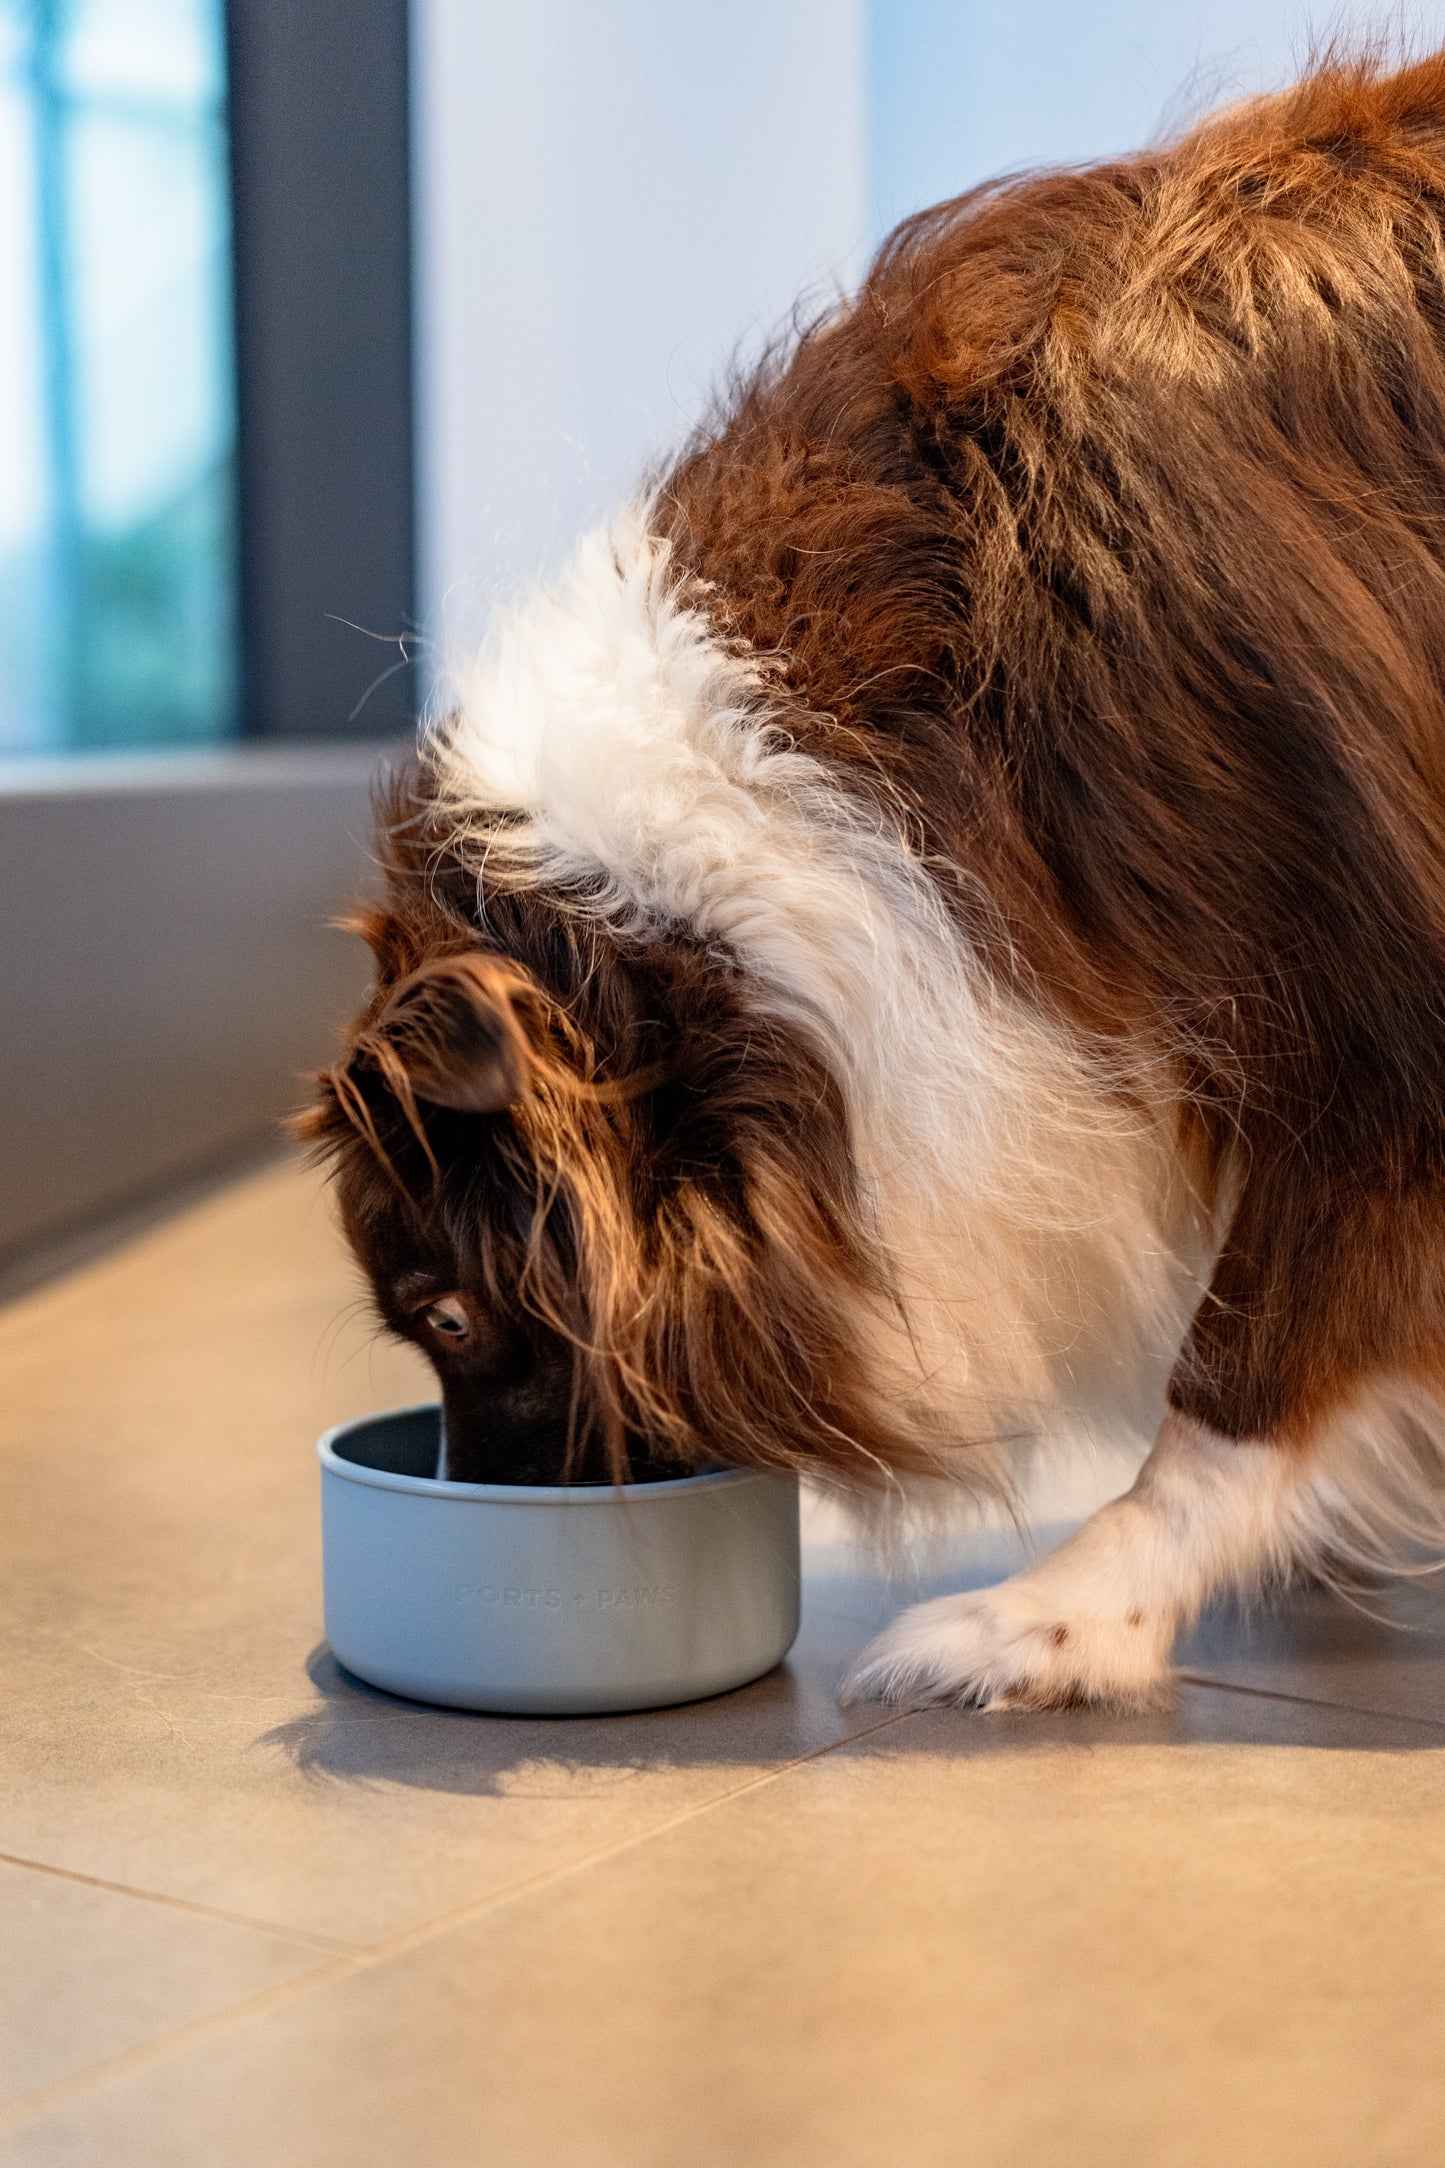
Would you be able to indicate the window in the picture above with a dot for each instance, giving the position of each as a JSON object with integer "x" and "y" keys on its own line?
{"x": 118, "y": 607}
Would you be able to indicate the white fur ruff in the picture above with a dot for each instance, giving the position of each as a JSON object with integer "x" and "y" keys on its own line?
{"x": 1037, "y": 1230}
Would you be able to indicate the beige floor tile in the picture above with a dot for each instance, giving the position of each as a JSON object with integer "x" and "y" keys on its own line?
{"x": 1209, "y": 1936}
{"x": 171, "y": 1719}
{"x": 1212, "y": 1937}
{"x": 89, "y": 1973}
{"x": 1384, "y": 1650}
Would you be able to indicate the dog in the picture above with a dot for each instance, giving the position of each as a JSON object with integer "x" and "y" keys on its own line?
{"x": 937, "y": 918}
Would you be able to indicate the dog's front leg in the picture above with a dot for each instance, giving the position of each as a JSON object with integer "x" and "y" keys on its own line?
{"x": 1097, "y": 1619}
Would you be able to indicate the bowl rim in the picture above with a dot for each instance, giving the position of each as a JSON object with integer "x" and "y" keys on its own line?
{"x": 519, "y": 1494}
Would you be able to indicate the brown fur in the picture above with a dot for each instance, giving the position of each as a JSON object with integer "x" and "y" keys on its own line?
{"x": 1104, "y": 535}
{"x": 1109, "y": 529}
{"x": 638, "y": 1203}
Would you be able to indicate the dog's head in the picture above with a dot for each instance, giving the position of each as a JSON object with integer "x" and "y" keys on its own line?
{"x": 608, "y": 1195}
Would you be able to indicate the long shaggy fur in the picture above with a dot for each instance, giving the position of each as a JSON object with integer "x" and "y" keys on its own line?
{"x": 609, "y": 750}
{"x": 969, "y": 849}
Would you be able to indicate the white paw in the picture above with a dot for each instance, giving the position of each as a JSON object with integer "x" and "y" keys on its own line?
{"x": 1009, "y": 1647}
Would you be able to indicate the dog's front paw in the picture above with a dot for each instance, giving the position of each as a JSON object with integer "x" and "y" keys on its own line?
{"x": 1009, "y": 1648}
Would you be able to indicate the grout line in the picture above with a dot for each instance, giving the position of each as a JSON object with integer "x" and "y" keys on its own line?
{"x": 1310, "y": 1701}
{"x": 27, "y": 2107}
{"x": 181, "y": 1904}
{"x": 411, "y": 1937}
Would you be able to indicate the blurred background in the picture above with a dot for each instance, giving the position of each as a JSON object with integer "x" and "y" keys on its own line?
{"x": 321, "y": 323}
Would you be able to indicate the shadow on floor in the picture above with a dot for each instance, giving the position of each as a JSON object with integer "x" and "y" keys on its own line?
{"x": 1384, "y": 1624}
{"x": 360, "y": 1734}
{"x": 1314, "y": 1663}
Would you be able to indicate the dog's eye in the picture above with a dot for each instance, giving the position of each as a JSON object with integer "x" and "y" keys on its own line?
{"x": 448, "y": 1317}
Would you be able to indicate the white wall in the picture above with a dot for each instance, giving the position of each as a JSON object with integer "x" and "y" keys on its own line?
{"x": 611, "y": 195}
{"x": 615, "y": 196}
{"x": 959, "y": 90}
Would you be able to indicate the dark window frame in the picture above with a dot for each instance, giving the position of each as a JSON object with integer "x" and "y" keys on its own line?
{"x": 322, "y": 251}
{"x": 152, "y": 1040}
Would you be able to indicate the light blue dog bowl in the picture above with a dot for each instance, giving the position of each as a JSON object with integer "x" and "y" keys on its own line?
{"x": 559, "y": 1601}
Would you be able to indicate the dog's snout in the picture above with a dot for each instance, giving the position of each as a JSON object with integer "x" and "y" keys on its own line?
{"x": 511, "y": 1427}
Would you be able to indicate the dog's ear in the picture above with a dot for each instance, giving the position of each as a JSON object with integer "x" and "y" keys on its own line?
{"x": 452, "y": 1032}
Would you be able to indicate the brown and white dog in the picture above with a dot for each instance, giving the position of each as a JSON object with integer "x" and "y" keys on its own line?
{"x": 943, "y": 906}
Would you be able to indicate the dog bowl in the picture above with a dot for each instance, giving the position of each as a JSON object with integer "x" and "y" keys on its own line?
{"x": 558, "y": 1601}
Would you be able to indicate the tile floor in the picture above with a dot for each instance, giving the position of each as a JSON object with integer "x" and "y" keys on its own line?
{"x": 252, "y": 1913}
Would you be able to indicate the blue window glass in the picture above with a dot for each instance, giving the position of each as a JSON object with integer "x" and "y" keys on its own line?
{"x": 118, "y": 616}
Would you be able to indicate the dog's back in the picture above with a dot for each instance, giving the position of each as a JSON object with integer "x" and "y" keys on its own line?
{"x": 1108, "y": 531}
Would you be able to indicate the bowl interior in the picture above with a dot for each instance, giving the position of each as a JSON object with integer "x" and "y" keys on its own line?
{"x": 405, "y": 1441}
